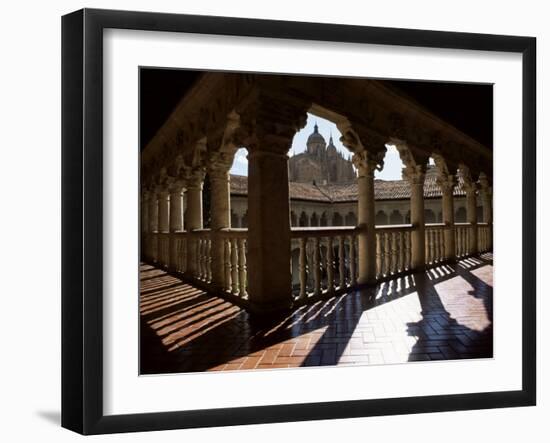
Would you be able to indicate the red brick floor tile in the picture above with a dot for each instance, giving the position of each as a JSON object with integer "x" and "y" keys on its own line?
{"x": 444, "y": 313}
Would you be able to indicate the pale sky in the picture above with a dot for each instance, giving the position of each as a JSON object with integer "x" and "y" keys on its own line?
{"x": 392, "y": 162}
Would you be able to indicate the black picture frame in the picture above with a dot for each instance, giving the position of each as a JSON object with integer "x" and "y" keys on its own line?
{"x": 82, "y": 218}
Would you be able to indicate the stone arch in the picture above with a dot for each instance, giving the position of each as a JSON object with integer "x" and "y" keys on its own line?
{"x": 429, "y": 216}
{"x": 381, "y": 218}
{"x": 460, "y": 215}
{"x": 351, "y": 219}
{"x": 396, "y": 218}
{"x": 324, "y": 219}
{"x": 314, "y": 219}
{"x": 337, "y": 219}
{"x": 234, "y": 220}
{"x": 303, "y": 222}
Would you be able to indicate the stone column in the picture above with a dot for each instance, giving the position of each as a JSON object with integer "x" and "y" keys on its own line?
{"x": 163, "y": 226}
{"x": 176, "y": 208}
{"x": 164, "y": 211}
{"x": 447, "y": 184}
{"x": 269, "y": 274}
{"x": 153, "y": 226}
{"x": 193, "y": 213}
{"x": 144, "y": 225}
{"x": 193, "y": 216}
{"x": 418, "y": 235}
{"x": 487, "y": 201}
{"x": 153, "y": 212}
{"x": 414, "y": 172}
{"x": 176, "y": 220}
{"x": 471, "y": 208}
{"x": 366, "y": 164}
{"x": 144, "y": 207}
{"x": 220, "y": 210}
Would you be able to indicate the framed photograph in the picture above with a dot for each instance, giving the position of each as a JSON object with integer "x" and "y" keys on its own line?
{"x": 269, "y": 221}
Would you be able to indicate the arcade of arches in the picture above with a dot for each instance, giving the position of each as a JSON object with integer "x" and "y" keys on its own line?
{"x": 274, "y": 247}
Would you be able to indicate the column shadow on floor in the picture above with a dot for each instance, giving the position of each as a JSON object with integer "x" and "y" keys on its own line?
{"x": 184, "y": 329}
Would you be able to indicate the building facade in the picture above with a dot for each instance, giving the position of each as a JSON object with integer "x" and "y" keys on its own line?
{"x": 323, "y": 192}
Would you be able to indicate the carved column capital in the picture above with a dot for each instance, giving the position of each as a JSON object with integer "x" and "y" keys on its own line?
{"x": 195, "y": 178}
{"x": 415, "y": 164}
{"x": 268, "y": 124}
{"x": 366, "y": 162}
{"x": 468, "y": 183}
{"x": 446, "y": 183}
{"x": 484, "y": 184}
{"x": 219, "y": 164}
{"x": 415, "y": 175}
{"x": 444, "y": 179}
{"x": 176, "y": 186}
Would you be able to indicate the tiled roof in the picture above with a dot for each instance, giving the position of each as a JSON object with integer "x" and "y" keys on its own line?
{"x": 383, "y": 189}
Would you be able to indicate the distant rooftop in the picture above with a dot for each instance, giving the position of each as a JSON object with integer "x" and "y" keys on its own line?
{"x": 383, "y": 189}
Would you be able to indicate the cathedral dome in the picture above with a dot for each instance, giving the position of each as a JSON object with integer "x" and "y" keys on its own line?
{"x": 315, "y": 137}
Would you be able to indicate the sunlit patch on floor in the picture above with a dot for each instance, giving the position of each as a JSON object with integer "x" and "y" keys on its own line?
{"x": 442, "y": 313}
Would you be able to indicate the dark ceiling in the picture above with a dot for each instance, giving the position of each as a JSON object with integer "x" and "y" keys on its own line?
{"x": 468, "y": 107}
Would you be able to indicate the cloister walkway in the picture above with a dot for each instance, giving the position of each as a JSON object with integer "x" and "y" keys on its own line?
{"x": 443, "y": 313}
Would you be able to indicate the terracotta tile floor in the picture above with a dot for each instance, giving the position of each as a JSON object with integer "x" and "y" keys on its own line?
{"x": 444, "y": 313}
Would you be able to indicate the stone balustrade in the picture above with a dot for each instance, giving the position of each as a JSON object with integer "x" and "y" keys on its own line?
{"x": 393, "y": 250}
{"x": 435, "y": 243}
{"x": 324, "y": 261}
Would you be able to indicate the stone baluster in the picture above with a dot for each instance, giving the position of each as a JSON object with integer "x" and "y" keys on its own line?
{"x": 394, "y": 253}
{"x": 330, "y": 265}
{"x": 341, "y": 261}
{"x": 227, "y": 264}
{"x": 352, "y": 266}
{"x": 303, "y": 268}
{"x": 234, "y": 266}
{"x": 316, "y": 267}
{"x": 242, "y": 267}
{"x": 380, "y": 253}
{"x": 387, "y": 251}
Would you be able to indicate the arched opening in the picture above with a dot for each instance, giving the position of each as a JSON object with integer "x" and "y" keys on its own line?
{"x": 381, "y": 218}
{"x": 460, "y": 215}
{"x": 337, "y": 219}
{"x": 396, "y": 218}
{"x": 314, "y": 219}
{"x": 351, "y": 219}
{"x": 244, "y": 221}
{"x": 303, "y": 219}
{"x": 429, "y": 216}
{"x": 234, "y": 220}
{"x": 323, "y": 221}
